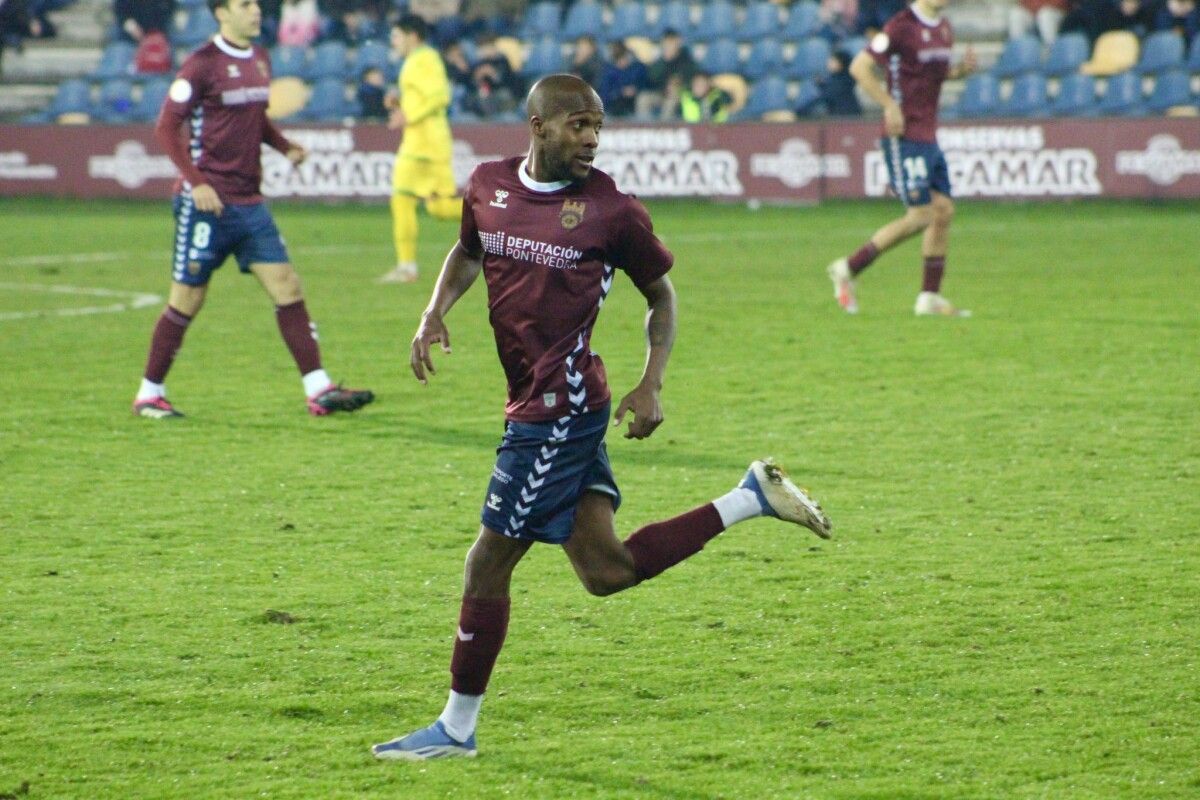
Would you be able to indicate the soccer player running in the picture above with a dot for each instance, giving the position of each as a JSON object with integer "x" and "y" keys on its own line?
{"x": 915, "y": 49}
{"x": 548, "y": 232}
{"x": 422, "y": 171}
{"x": 221, "y": 95}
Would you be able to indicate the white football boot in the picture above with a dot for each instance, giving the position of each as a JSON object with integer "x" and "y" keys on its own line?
{"x": 843, "y": 285}
{"x": 405, "y": 272}
{"x": 932, "y": 304}
{"x": 781, "y": 498}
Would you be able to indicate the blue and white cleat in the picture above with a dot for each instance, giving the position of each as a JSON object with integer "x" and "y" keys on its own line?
{"x": 427, "y": 743}
{"x": 781, "y": 498}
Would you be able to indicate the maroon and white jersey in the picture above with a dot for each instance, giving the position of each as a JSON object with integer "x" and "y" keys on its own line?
{"x": 220, "y": 97}
{"x": 549, "y": 254}
{"x": 915, "y": 51}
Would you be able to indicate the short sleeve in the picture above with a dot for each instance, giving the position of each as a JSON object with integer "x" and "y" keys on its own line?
{"x": 883, "y": 44}
{"x": 636, "y": 249}
{"x": 187, "y": 90}
{"x": 468, "y": 230}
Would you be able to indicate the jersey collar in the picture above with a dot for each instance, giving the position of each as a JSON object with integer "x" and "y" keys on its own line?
{"x": 538, "y": 186}
{"x": 229, "y": 50}
{"x": 926, "y": 21}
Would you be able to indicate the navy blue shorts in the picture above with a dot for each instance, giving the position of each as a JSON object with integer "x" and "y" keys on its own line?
{"x": 542, "y": 470}
{"x": 203, "y": 241}
{"x": 915, "y": 169}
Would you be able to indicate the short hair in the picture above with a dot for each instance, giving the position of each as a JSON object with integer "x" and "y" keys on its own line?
{"x": 213, "y": 5}
{"x": 411, "y": 23}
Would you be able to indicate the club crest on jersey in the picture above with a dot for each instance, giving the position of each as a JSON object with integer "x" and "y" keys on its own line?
{"x": 550, "y": 399}
{"x": 234, "y": 72}
{"x": 572, "y": 213}
{"x": 262, "y": 67}
{"x": 194, "y": 267}
{"x": 501, "y": 200}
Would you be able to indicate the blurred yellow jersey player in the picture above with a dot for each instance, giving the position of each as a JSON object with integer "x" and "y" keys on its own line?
{"x": 423, "y": 164}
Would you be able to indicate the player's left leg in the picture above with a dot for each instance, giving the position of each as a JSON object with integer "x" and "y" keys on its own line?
{"x": 410, "y": 183}
{"x": 934, "y": 244}
{"x": 443, "y": 203}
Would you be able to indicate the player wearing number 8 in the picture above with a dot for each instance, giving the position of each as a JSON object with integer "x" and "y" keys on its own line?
{"x": 220, "y": 97}
{"x": 914, "y": 49}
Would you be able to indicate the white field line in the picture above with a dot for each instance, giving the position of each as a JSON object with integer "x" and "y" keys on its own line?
{"x": 131, "y": 301}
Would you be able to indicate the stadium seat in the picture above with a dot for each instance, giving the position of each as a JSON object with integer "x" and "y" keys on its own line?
{"x": 980, "y": 96}
{"x": 1173, "y": 88}
{"x": 1028, "y": 97}
{"x": 735, "y": 86}
{"x": 628, "y": 19}
{"x": 1123, "y": 95}
{"x": 115, "y": 104}
{"x": 585, "y": 17}
{"x": 116, "y": 61}
{"x": 1076, "y": 97}
{"x": 717, "y": 21}
{"x": 328, "y": 101}
{"x": 762, "y": 20}
{"x": 1160, "y": 52}
{"x": 1193, "y": 61}
{"x": 1066, "y": 55}
{"x": 288, "y": 98}
{"x": 768, "y": 94}
{"x": 811, "y": 59}
{"x": 542, "y": 19}
{"x": 544, "y": 57}
{"x": 199, "y": 25}
{"x": 1115, "y": 52}
{"x": 807, "y": 97}
{"x": 802, "y": 22}
{"x": 721, "y": 56}
{"x": 149, "y": 103}
{"x": 513, "y": 50}
{"x": 766, "y": 58}
{"x": 328, "y": 61}
{"x": 289, "y": 62}
{"x": 74, "y": 96}
{"x": 852, "y": 45}
{"x": 642, "y": 48}
{"x": 1020, "y": 55}
{"x": 372, "y": 54}
{"x": 673, "y": 15}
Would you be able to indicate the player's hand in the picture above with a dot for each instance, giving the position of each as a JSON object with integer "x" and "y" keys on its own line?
{"x": 893, "y": 119}
{"x": 206, "y": 199}
{"x": 396, "y": 120}
{"x": 647, "y": 411}
{"x": 432, "y": 330}
{"x": 296, "y": 154}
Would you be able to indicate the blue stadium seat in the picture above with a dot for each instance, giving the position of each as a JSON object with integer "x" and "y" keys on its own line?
{"x": 1160, "y": 52}
{"x": 328, "y": 61}
{"x": 673, "y": 15}
{"x": 807, "y": 97}
{"x": 198, "y": 27}
{"x": 585, "y": 17}
{"x": 115, "y": 104}
{"x": 1066, "y": 55}
{"x": 766, "y": 58}
{"x": 768, "y": 94}
{"x": 328, "y": 101}
{"x": 721, "y": 56}
{"x": 1173, "y": 88}
{"x": 717, "y": 21}
{"x": 542, "y": 19}
{"x": 853, "y": 45}
{"x": 1020, "y": 55}
{"x": 762, "y": 20}
{"x": 1123, "y": 95}
{"x": 115, "y": 61}
{"x": 443, "y": 31}
{"x": 1193, "y": 61}
{"x": 289, "y": 62}
{"x": 74, "y": 96}
{"x": 1028, "y": 97}
{"x": 544, "y": 57}
{"x": 802, "y": 22}
{"x": 1076, "y": 97}
{"x": 371, "y": 54}
{"x": 811, "y": 59}
{"x": 980, "y": 96}
{"x": 628, "y": 19}
{"x": 154, "y": 93}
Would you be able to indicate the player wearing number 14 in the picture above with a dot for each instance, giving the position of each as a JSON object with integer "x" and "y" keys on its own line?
{"x": 915, "y": 49}
{"x": 220, "y": 96}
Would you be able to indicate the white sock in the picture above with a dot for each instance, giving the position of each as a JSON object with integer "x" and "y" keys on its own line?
{"x": 461, "y": 715}
{"x": 315, "y": 381}
{"x": 150, "y": 390}
{"x": 737, "y": 506}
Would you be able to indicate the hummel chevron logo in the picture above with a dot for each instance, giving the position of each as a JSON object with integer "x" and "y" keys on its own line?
{"x": 535, "y": 483}
{"x": 577, "y": 398}
{"x": 558, "y": 435}
{"x": 549, "y": 454}
{"x": 571, "y": 362}
{"x": 564, "y": 420}
{"x": 515, "y": 524}
{"x": 606, "y": 283}
{"x": 575, "y": 378}
{"x": 579, "y": 344}
{"x": 521, "y": 510}
{"x": 540, "y": 468}
{"x": 463, "y": 636}
{"x": 526, "y": 496}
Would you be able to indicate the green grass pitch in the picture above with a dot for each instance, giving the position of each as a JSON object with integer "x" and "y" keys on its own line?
{"x": 1008, "y": 608}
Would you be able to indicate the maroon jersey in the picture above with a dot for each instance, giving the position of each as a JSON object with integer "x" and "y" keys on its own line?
{"x": 916, "y": 53}
{"x": 221, "y": 93}
{"x": 549, "y": 251}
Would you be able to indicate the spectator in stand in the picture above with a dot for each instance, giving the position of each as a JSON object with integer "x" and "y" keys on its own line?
{"x": 702, "y": 101}
{"x": 458, "y": 67}
{"x": 838, "y": 96}
{"x": 497, "y": 86}
{"x": 16, "y": 24}
{"x": 299, "y": 23}
{"x": 372, "y": 91}
{"x": 1135, "y": 16}
{"x": 839, "y": 19}
{"x": 1181, "y": 16}
{"x": 39, "y": 11}
{"x": 1046, "y": 14}
{"x": 586, "y": 61}
{"x": 873, "y": 14}
{"x": 1086, "y": 17}
{"x": 353, "y": 21}
{"x": 623, "y": 78}
{"x": 499, "y": 17}
{"x": 136, "y": 18}
{"x": 665, "y": 78}
{"x": 269, "y": 30}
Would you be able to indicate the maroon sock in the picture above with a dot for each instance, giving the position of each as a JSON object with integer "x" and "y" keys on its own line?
{"x": 165, "y": 343}
{"x": 300, "y": 335}
{"x": 661, "y": 545}
{"x": 482, "y": 625}
{"x": 935, "y": 267}
{"x": 863, "y": 257}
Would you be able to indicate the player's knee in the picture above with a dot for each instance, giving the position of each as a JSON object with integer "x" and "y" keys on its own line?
{"x": 943, "y": 212}
{"x": 608, "y": 580}
{"x": 920, "y": 217}
{"x": 449, "y": 208}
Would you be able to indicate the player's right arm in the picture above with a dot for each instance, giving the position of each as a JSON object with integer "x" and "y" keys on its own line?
{"x": 186, "y": 92}
{"x": 865, "y": 69}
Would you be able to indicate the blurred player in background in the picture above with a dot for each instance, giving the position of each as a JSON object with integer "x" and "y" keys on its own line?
{"x": 915, "y": 49}
{"x": 220, "y": 95}
{"x": 548, "y": 233}
{"x": 423, "y": 168}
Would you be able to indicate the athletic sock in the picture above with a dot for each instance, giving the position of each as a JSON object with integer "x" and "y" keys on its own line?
{"x": 300, "y": 335}
{"x": 737, "y": 506}
{"x": 863, "y": 257}
{"x": 662, "y": 545}
{"x": 931, "y": 279}
{"x": 164, "y": 344}
{"x": 461, "y": 715}
{"x": 150, "y": 390}
{"x": 482, "y": 626}
{"x": 316, "y": 382}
